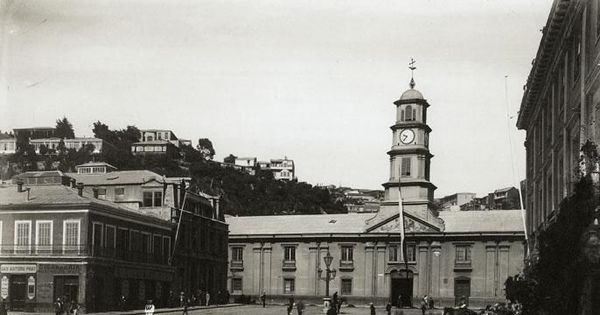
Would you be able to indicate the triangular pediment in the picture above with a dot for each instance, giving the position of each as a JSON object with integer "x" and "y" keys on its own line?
{"x": 410, "y": 226}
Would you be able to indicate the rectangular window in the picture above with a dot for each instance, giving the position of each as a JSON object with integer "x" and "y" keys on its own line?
{"x": 346, "y": 287}
{"x": 405, "y": 171}
{"x": 109, "y": 237}
{"x": 289, "y": 286}
{"x": 22, "y": 236}
{"x": 152, "y": 199}
{"x": 43, "y": 236}
{"x": 236, "y": 285}
{"x": 347, "y": 253}
{"x": 146, "y": 245}
{"x": 101, "y": 193}
{"x": 157, "y": 245}
{"x": 411, "y": 253}
{"x": 71, "y": 236}
{"x": 463, "y": 254}
{"x": 290, "y": 253}
{"x": 119, "y": 193}
{"x": 97, "y": 235}
{"x": 167, "y": 246}
{"x": 158, "y": 198}
{"x": 237, "y": 254}
{"x": 147, "y": 200}
{"x": 393, "y": 253}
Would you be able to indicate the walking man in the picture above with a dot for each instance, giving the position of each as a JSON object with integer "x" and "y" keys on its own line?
{"x": 263, "y": 298}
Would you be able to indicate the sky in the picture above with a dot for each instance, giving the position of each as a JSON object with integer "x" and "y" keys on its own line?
{"x": 312, "y": 80}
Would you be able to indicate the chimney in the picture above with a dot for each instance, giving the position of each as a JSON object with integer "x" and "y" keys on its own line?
{"x": 19, "y": 185}
{"x": 80, "y": 189}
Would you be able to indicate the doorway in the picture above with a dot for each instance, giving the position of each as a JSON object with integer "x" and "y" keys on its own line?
{"x": 401, "y": 288}
{"x": 462, "y": 290}
{"x": 17, "y": 292}
{"x": 66, "y": 288}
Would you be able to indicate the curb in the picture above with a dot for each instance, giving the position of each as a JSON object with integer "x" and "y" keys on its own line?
{"x": 166, "y": 310}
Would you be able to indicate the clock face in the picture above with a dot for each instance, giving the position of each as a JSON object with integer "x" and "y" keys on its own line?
{"x": 407, "y": 136}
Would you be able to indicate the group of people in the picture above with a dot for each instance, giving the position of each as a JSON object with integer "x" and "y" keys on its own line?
{"x": 291, "y": 304}
{"x": 61, "y": 307}
{"x": 426, "y": 304}
{"x": 200, "y": 297}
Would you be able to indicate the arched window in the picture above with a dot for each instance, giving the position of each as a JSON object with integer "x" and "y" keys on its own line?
{"x": 409, "y": 113}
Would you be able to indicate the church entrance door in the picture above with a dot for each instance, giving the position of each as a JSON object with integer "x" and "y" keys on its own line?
{"x": 401, "y": 291}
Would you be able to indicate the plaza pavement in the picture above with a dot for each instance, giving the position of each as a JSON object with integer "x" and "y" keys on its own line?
{"x": 234, "y": 309}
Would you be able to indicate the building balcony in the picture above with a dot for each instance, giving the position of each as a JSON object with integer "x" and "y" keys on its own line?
{"x": 463, "y": 265}
{"x": 346, "y": 265}
{"x": 11, "y": 250}
{"x": 289, "y": 265}
{"x": 236, "y": 265}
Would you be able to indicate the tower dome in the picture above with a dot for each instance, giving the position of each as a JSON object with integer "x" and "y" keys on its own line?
{"x": 411, "y": 94}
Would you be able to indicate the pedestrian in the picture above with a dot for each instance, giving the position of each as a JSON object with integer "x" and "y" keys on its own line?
{"x": 339, "y": 304}
{"x": 335, "y": 301}
{"x": 399, "y": 301}
{"x": 149, "y": 308}
{"x": 300, "y": 307}
{"x": 58, "y": 308}
{"x": 290, "y": 305}
{"x": 122, "y": 302}
{"x": 430, "y": 303}
{"x": 74, "y": 307}
{"x": 184, "y": 310}
{"x": 372, "y": 307}
{"x": 424, "y": 304}
{"x": 263, "y": 298}
{"x": 207, "y": 297}
{"x": 331, "y": 310}
{"x": 388, "y": 308}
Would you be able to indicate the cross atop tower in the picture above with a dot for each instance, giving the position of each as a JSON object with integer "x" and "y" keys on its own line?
{"x": 411, "y": 66}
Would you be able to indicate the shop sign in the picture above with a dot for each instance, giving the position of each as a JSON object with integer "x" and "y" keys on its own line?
{"x": 59, "y": 269}
{"x": 4, "y": 287}
{"x": 31, "y": 287}
{"x": 13, "y": 269}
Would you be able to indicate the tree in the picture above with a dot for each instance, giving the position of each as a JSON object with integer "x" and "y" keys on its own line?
{"x": 205, "y": 147}
{"x": 230, "y": 159}
{"x": 64, "y": 129}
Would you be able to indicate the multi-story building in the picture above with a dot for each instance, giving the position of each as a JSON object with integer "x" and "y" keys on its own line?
{"x": 559, "y": 107}
{"x": 8, "y": 146}
{"x": 200, "y": 254}
{"x": 150, "y": 135}
{"x": 52, "y": 144}
{"x": 448, "y": 256}
{"x": 248, "y": 164}
{"x": 455, "y": 201}
{"x": 34, "y": 132}
{"x": 61, "y": 242}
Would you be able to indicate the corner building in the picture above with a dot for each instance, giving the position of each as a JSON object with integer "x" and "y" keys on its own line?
{"x": 448, "y": 256}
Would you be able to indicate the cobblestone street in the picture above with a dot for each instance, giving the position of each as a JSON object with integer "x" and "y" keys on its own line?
{"x": 281, "y": 310}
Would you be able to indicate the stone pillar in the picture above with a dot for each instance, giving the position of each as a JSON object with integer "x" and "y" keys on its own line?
{"x": 381, "y": 289}
{"x": 370, "y": 269}
{"x": 436, "y": 253}
{"x": 257, "y": 269}
{"x": 490, "y": 269}
{"x": 313, "y": 267}
{"x": 267, "y": 258}
{"x": 422, "y": 263}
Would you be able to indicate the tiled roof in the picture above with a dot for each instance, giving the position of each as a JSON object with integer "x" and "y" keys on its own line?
{"x": 455, "y": 222}
{"x": 57, "y": 195}
{"x": 154, "y": 142}
{"x": 505, "y": 189}
{"x": 39, "y": 174}
{"x": 116, "y": 178}
{"x": 482, "y": 221}
{"x": 89, "y": 164}
{"x": 298, "y": 224}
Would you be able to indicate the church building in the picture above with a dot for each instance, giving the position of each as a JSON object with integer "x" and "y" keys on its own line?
{"x": 447, "y": 256}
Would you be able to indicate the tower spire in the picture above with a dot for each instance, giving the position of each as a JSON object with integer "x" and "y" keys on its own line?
{"x": 411, "y": 66}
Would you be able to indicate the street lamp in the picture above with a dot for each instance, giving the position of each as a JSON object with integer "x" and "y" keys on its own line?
{"x": 329, "y": 273}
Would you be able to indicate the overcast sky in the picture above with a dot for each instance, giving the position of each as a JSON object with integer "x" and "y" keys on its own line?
{"x": 311, "y": 80}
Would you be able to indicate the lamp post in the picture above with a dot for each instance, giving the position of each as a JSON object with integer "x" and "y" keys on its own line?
{"x": 329, "y": 275}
